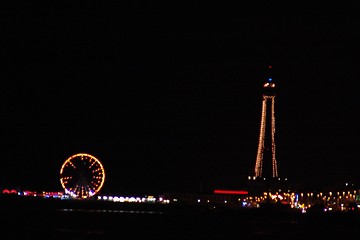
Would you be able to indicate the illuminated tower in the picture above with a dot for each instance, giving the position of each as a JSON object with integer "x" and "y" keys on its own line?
{"x": 266, "y": 165}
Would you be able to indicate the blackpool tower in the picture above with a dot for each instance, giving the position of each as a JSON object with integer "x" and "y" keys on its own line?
{"x": 266, "y": 164}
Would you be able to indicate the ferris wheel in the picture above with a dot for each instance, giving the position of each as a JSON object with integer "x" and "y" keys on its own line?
{"x": 82, "y": 175}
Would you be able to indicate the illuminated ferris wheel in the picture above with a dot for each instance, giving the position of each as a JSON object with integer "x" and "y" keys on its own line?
{"x": 82, "y": 175}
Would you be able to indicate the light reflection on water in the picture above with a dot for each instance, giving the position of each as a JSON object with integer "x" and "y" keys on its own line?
{"x": 107, "y": 211}
{"x": 76, "y": 223}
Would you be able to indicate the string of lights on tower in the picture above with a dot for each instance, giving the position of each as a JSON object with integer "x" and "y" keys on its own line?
{"x": 266, "y": 163}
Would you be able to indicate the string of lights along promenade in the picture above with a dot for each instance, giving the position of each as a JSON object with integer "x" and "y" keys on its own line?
{"x": 266, "y": 164}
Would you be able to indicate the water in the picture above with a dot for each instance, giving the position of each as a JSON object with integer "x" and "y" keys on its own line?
{"x": 34, "y": 221}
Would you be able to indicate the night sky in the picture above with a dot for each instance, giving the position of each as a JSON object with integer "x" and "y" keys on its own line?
{"x": 168, "y": 95}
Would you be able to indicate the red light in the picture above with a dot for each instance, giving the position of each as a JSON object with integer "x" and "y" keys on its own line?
{"x": 237, "y": 192}
{"x": 270, "y": 66}
{"x": 13, "y": 191}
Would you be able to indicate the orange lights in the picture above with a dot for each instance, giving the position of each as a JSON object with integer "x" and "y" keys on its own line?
{"x": 82, "y": 175}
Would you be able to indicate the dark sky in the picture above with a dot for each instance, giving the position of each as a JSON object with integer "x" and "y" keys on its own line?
{"x": 168, "y": 95}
